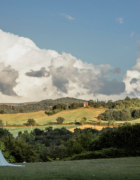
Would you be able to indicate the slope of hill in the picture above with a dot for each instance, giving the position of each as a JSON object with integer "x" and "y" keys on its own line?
{"x": 41, "y": 118}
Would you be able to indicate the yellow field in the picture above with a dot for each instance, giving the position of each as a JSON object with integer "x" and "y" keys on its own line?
{"x": 41, "y": 118}
{"x": 99, "y": 128}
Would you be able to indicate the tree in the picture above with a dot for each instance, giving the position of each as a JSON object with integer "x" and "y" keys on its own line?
{"x": 59, "y": 106}
{"x": 73, "y": 105}
{"x": 20, "y": 150}
{"x": 31, "y": 122}
{"x": 21, "y": 110}
{"x": 60, "y": 120}
{"x": 1, "y": 123}
{"x": 27, "y": 137}
{"x": 1, "y": 111}
{"x": 83, "y": 120}
{"x": 6, "y": 123}
{"x": 127, "y": 98}
{"x": 6, "y": 153}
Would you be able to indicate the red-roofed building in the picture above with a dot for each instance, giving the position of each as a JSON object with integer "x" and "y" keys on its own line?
{"x": 85, "y": 104}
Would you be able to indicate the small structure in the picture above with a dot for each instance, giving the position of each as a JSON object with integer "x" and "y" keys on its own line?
{"x": 85, "y": 104}
{"x": 3, "y": 161}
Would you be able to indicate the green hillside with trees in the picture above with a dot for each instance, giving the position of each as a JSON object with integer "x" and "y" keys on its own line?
{"x": 41, "y": 118}
{"x": 42, "y": 105}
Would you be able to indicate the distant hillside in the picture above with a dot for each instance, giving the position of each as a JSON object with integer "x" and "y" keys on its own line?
{"x": 42, "y": 118}
{"x": 18, "y": 104}
{"x": 10, "y": 108}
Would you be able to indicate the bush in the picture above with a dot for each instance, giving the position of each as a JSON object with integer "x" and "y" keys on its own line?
{"x": 104, "y": 153}
{"x": 60, "y": 120}
{"x": 119, "y": 115}
{"x": 31, "y": 122}
{"x": 49, "y": 113}
{"x": 6, "y": 153}
{"x": 50, "y": 123}
{"x": 78, "y": 123}
{"x": 83, "y": 120}
{"x": 1, "y": 111}
{"x": 1, "y": 123}
{"x": 60, "y": 106}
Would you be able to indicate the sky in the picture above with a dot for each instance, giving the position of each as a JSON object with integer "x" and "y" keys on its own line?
{"x": 87, "y": 49}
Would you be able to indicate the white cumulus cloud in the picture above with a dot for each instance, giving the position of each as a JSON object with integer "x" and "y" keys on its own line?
{"x": 132, "y": 78}
{"x": 28, "y": 73}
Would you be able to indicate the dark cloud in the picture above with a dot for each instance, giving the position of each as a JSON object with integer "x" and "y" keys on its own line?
{"x": 40, "y": 73}
{"x": 136, "y": 92}
{"x": 86, "y": 78}
{"x": 134, "y": 80}
{"x": 61, "y": 77}
{"x": 8, "y": 78}
{"x": 111, "y": 87}
{"x": 45, "y": 89}
{"x": 116, "y": 71}
{"x": 61, "y": 84}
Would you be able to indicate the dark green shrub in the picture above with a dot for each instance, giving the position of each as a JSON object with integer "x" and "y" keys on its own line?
{"x": 104, "y": 153}
{"x": 49, "y": 113}
{"x": 125, "y": 137}
{"x": 31, "y": 122}
{"x": 60, "y": 120}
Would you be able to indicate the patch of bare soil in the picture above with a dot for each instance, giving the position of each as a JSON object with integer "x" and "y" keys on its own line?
{"x": 89, "y": 126}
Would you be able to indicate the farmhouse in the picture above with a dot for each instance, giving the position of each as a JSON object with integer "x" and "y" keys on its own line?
{"x": 85, "y": 104}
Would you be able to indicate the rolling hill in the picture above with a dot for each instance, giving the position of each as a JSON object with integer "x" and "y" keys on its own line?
{"x": 11, "y": 108}
{"x": 41, "y": 118}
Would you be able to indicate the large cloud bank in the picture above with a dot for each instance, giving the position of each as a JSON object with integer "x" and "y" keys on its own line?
{"x": 132, "y": 78}
{"x": 28, "y": 73}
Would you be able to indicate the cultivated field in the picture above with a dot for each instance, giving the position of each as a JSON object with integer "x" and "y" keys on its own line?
{"x": 41, "y": 118}
{"x": 15, "y": 130}
{"x": 94, "y": 169}
{"x": 89, "y": 126}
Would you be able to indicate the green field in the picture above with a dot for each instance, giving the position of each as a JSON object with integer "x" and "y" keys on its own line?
{"x": 41, "y": 118}
{"x": 94, "y": 169}
{"x": 15, "y": 130}
{"x": 135, "y": 121}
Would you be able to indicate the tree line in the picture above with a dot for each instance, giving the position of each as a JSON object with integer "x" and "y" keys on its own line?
{"x": 61, "y": 106}
{"x": 119, "y": 104}
{"x": 61, "y": 144}
{"x": 42, "y": 105}
{"x": 120, "y": 114}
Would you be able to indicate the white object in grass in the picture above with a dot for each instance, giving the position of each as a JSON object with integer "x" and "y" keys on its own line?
{"x": 3, "y": 161}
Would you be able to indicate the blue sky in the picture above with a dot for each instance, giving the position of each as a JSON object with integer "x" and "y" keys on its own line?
{"x": 94, "y": 36}
{"x": 98, "y": 32}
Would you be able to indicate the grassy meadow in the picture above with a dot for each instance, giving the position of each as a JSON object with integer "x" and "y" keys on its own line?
{"x": 15, "y": 130}
{"x": 135, "y": 121}
{"x": 42, "y": 118}
{"x": 94, "y": 169}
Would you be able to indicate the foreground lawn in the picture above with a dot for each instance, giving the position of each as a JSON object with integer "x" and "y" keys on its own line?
{"x": 95, "y": 169}
{"x": 15, "y": 130}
